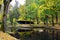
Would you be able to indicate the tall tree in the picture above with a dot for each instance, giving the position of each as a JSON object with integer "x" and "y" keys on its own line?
{"x": 15, "y": 13}
{"x": 6, "y": 5}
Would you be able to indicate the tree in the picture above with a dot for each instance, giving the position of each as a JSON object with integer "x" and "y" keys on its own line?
{"x": 22, "y": 12}
{"x": 31, "y": 9}
{"x": 50, "y": 5}
{"x": 44, "y": 10}
{"x": 1, "y": 1}
{"x": 6, "y": 4}
{"x": 14, "y": 15}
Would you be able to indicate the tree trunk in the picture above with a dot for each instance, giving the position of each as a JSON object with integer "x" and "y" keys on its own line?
{"x": 44, "y": 22}
{"x": 56, "y": 18}
{"x": 0, "y": 7}
{"x": 37, "y": 20}
{"x": 52, "y": 20}
{"x": 4, "y": 25}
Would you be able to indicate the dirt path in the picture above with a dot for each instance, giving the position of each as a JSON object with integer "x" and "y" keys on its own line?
{"x": 5, "y": 36}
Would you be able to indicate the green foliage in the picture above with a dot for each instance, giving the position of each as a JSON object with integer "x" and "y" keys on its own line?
{"x": 1, "y": 1}
{"x": 14, "y": 15}
{"x": 39, "y": 9}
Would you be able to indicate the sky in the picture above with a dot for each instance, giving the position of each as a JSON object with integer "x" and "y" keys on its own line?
{"x": 21, "y": 2}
